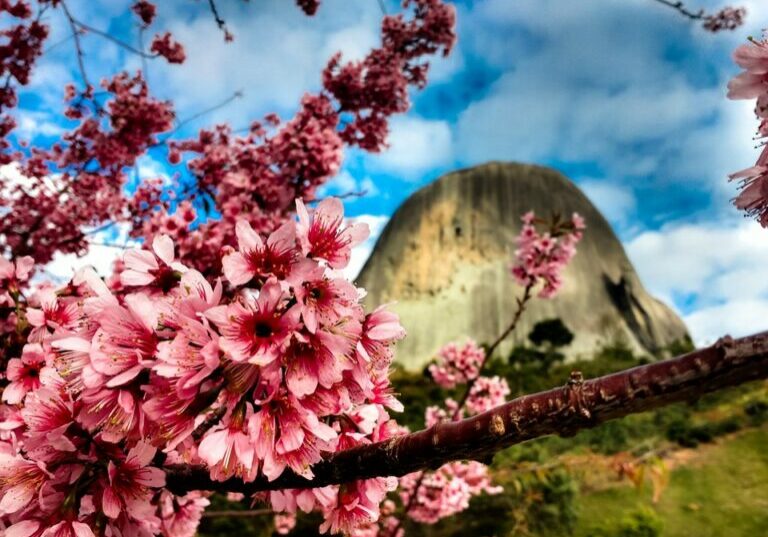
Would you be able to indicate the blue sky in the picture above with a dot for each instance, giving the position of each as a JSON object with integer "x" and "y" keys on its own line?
{"x": 623, "y": 96}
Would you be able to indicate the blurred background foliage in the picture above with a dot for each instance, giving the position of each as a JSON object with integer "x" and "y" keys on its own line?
{"x": 687, "y": 469}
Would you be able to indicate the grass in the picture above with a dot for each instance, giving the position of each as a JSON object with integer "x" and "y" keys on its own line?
{"x": 722, "y": 491}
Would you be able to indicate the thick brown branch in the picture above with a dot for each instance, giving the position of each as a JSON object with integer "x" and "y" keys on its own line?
{"x": 562, "y": 411}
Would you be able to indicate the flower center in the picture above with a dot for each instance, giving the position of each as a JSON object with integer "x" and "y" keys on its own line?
{"x": 262, "y": 329}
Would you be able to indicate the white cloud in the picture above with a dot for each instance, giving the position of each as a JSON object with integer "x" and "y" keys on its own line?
{"x": 361, "y": 253}
{"x": 617, "y": 203}
{"x": 31, "y": 124}
{"x": 578, "y": 84}
{"x": 714, "y": 273}
{"x": 415, "y": 145}
{"x": 106, "y": 247}
{"x": 735, "y": 318}
{"x": 277, "y": 55}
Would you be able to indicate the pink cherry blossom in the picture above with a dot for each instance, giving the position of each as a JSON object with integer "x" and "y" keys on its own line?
{"x": 164, "y": 362}
{"x": 540, "y": 258}
{"x": 323, "y": 235}
{"x": 181, "y": 515}
{"x": 357, "y": 505}
{"x": 256, "y": 330}
{"x": 457, "y": 365}
{"x": 228, "y": 449}
{"x": 487, "y": 393}
{"x": 25, "y": 373}
{"x": 255, "y": 257}
{"x": 157, "y": 268}
{"x": 125, "y": 340}
{"x": 129, "y": 483}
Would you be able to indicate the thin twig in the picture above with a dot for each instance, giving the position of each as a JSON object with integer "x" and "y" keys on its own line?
{"x": 236, "y": 95}
{"x": 680, "y": 8}
{"x": 115, "y": 40}
{"x": 78, "y": 45}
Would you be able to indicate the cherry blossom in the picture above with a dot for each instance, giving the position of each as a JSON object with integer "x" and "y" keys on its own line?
{"x": 752, "y": 83}
{"x": 457, "y": 364}
{"x": 541, "y": 257}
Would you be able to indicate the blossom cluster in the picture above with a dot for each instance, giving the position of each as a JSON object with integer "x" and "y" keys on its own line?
{"x": 752, "y": 83}
{"x": 432, "y": 496}
{"x": 258, "y": 175}
{"x": 21, "y": 45}
{"x": 457, "y": 364}
{"x": 728, "y": 18}
{"x": 77, "y": 184}
{"x": 445, "y": 492}
{"x": 541, "y": 257}
{"x": 254, "y": 374}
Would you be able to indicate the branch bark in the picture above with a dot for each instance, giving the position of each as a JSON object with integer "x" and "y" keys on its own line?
{"x": 562, "y": 411}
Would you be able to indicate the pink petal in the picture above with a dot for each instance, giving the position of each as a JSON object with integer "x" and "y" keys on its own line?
{"x": 110, "y": 503}
{"x": 301, "y": 212}
{"x": 25, "y": 528}
{"x": 163, "y": 247}
{"x": 151, "y": 477}
{"x": 140, "y": 260}
{"x": 24, "y": 266}
{"x": 284, "y": 235}
{"x": 236, "y": 268}
{"x": 330, "y": 209}
{"x": 82, "y": 530}
{"x": 35, "y": 317}
{"x": 16, "y": 498}
{"x": 247, "y": 238}
{"x": 142, "y": 453}
{"x": 301, "y": 381}
{"x": 213, "y": 447}
{"x": 143, "y": 309}
{"x": 14, "y": 393}
{"x": 77, "y": 344}
{"x": 125, "y": 377}
{"x": 135, "y": 278}
{"x": 125, "y": 400}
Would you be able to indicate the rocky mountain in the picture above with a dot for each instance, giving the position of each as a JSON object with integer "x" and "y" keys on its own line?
{"x": 444, "y": 257}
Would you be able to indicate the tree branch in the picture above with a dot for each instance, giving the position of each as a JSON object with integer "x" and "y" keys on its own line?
{"x": 562, "y": 411}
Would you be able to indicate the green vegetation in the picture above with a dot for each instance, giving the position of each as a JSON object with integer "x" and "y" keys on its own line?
{"x": 722, "y": 491}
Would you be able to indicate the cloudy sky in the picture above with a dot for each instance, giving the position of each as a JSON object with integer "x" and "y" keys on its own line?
{"x": 623, "y": 96}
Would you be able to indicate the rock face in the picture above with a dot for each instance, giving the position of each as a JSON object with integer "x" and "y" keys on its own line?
{"x": 445, "y": 253}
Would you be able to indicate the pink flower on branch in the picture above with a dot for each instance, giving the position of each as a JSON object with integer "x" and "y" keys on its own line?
{"x": 540, "y": 258}
{"x": 457, "y": 364}
{"x": 164, "y": 45}
{"x": 130, "y": 483}
{"x": 25, "y": 373}
{"x": 256, "y": 330}
{"x": 753, "y": 84}
{"x": 323, "y": 235}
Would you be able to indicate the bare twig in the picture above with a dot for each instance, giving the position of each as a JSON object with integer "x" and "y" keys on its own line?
{"x": 220, "y": 22}
{"x": 78, "y": 45}
{"x": 685, "y": 12}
